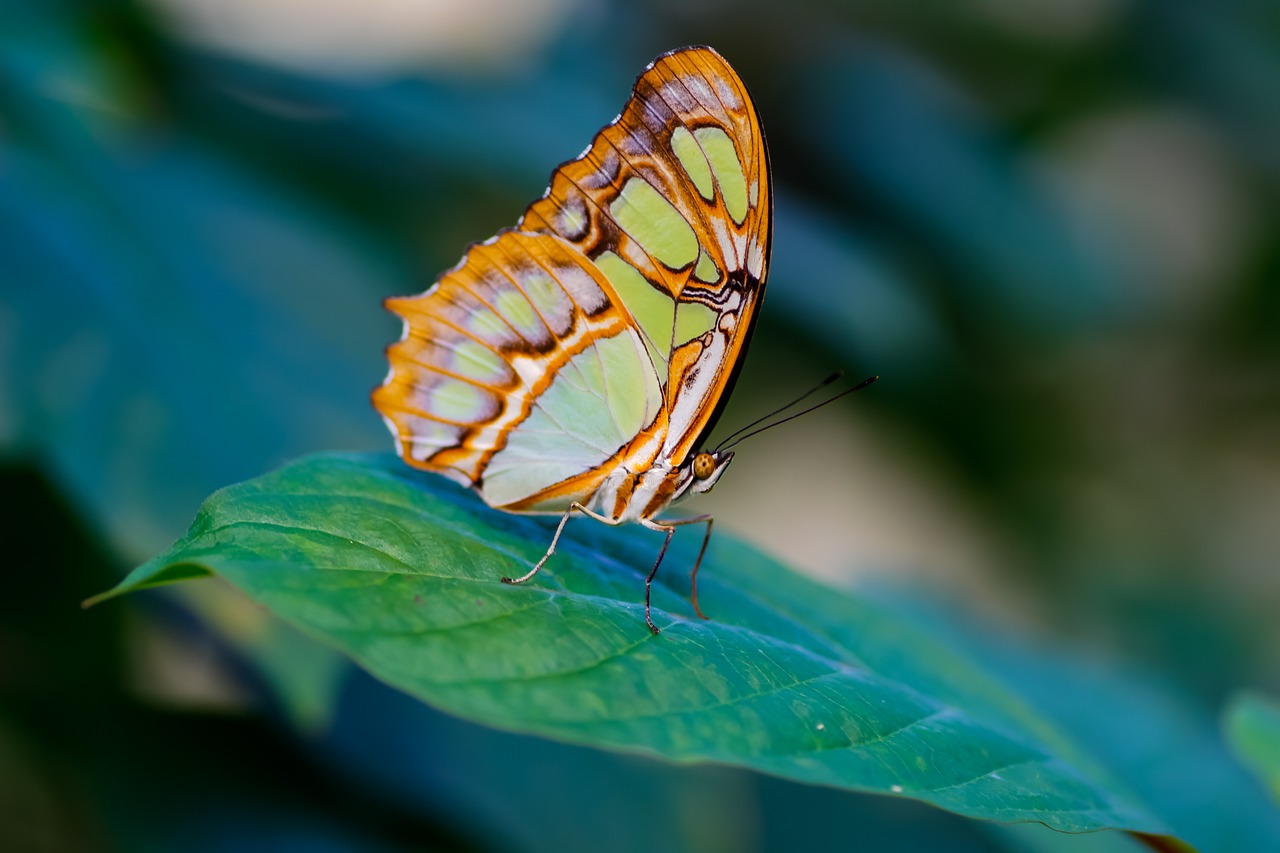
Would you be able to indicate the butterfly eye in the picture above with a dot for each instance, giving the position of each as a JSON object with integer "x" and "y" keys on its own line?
{"x": 704, "y": 465}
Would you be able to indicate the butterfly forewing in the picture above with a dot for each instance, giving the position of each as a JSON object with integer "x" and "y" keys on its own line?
{"x": 605, "y": 329}
{"x": 672, "y": 200}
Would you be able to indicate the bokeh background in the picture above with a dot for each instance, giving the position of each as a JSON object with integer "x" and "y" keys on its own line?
{"x": 1049, "y": 225}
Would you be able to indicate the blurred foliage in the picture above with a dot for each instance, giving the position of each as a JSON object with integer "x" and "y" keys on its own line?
{"x": 1252, "y": 724}
{"x": 1051, "y": 225}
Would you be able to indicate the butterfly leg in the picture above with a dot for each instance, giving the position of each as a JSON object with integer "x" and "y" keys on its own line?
{"x": 697, "y": 564}
{"x": 669, "y": 528}
{"x": 693, "y": 575}
{"x": 564, "y": 519}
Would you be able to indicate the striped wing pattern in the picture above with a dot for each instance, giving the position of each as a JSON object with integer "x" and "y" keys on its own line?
{"x": 603, "y": 331}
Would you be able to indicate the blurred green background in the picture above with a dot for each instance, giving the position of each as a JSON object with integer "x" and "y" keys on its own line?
{"x": 1050, "y": 225}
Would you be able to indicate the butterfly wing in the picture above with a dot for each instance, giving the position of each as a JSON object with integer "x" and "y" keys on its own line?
{"x": 519, "y": 373}
{"x": 673, "y": 201}
{"x": 606, "y": 328}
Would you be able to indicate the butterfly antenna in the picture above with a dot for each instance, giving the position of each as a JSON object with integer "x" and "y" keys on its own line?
{"x": 863, "y": 384}
{"x": 816, "y": 388}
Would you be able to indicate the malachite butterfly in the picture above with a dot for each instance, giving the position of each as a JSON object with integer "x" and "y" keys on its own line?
{"x": 576, "y": 361}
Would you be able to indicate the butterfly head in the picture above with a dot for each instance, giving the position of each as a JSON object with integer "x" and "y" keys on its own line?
{"x": 707, "y": 467}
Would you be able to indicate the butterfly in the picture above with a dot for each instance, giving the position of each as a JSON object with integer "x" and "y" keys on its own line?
{"x": 578, "y": 361}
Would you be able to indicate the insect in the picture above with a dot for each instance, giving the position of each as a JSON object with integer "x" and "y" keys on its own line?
{"x": 576, "y": 362}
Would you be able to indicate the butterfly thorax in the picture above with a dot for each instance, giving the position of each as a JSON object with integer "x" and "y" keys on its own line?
{"x": 626, "y": 496}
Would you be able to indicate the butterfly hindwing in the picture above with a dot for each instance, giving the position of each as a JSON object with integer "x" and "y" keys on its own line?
{"x": 518, "y": 370}
{"x": 606, "y": 327}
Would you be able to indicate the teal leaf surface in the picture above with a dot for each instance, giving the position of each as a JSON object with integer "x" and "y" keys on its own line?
{"x": 400, "y": 571}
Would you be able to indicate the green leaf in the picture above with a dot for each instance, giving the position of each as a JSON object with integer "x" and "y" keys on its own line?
{"x": 1252, "y": 724}
{"x": 400, "y": 571}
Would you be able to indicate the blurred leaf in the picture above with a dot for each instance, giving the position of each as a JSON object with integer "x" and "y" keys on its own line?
{"x": 437, "y": 163}
{"x": 41, "y": 807}
{"x": 304, "y": 675}
{"x": 790, "y": 678}
{"x": 1252, "y": 725}
{"x": 421, "y": 129}
{"x": 899, "y": 133}
{"x": 87, "y": 764}
{"x": 526, "y": 793}
{"x": 845, "y": 294}
{"x": 1159, "y": 741}
{"x": 1162, "y": 745}
{"x": 1224, "y": 56}
{"x": 171, "y": 324}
